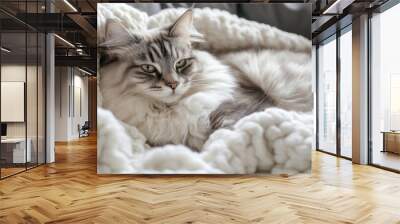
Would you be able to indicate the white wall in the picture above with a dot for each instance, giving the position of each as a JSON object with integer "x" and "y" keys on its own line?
{"x": 62, "y": 81}
{"x": 34, "y": 126}
{"x": 13, "y": 100}
{"x": 70, "y": 83}
{"x": 12, "y": 73}
{"x": 79, "y": 103}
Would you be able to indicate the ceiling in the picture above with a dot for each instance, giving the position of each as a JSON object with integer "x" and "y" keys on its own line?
{"x": 332, "y": 15}
{"x": 75, "y": 21}
{"x": 75, "y": 28}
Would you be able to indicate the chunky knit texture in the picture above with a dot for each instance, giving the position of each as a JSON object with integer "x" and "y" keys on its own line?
{"x": 273, "y": 141}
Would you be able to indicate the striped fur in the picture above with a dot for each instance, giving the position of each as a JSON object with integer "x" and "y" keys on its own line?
{"x": 174, "y": 94}
{"x": 172, "y": 102}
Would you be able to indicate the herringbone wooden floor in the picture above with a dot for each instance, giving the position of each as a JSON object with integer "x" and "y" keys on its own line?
{"x": 70, "y": 191}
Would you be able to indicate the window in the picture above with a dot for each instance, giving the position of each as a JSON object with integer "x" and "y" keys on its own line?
{"x": 327, "y": 96}
{"x": 385, "y": 89}
{"x": 346, "y": 92}
{"x": 314, "y": 89}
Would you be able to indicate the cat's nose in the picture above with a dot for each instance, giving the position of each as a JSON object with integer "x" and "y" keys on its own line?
{"x": 172, "y": 85}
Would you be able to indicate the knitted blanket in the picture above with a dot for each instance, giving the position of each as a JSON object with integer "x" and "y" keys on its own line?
{"x": 273, "y": 141}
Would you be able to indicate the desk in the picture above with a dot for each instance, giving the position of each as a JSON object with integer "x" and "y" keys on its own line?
{"x": 13, "y": 150}
{"x": 391, "y": 141}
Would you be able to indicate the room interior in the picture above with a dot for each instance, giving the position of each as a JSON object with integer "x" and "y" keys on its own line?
{"x": 333, "y": 56}
{"x": 22, "y": 101}
{"x": 49, "y": 90}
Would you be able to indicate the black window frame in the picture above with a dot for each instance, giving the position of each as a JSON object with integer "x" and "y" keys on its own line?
{"x": 30, "y": 29}
{"x": 333, "y": 37}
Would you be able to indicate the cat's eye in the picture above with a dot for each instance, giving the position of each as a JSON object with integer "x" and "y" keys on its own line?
{"x": 181, "y": 64}
{"x": 148, "y": 68}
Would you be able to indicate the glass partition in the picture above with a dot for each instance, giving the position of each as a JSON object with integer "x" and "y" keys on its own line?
{"x": 327, "y": 96}
{"x": 23, "y": 89}
{"x": 13, "y": 108}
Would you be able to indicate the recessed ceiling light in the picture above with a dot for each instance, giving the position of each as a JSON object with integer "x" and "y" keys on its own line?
{"x": 65, "y": 41}
{"x": 84, "y": 71}
{"x": 338, "y": 6}
{"x": 70, "y": 5}
{"x": 5, "y": 50}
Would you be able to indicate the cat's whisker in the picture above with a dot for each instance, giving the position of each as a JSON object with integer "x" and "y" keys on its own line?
{"x": 198, "y": 83}
{"x": 195, "y": 80}
{"x": 203, "y": 81}
{"x": 154, "y": 89}
{"x": 206, "y": 87}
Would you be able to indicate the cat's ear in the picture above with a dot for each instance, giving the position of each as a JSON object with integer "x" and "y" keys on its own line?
{"x": 116, "y": 34}
{"x": 184, "y": 28}
{"x": 183, "y": 25}
{"x": 114, "y": 30}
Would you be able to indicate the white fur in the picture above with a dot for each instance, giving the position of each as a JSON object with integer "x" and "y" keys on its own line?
{"x": 273, "y": 141}
{"x": 284, "y": 75}
{"x": 184, "y": 123}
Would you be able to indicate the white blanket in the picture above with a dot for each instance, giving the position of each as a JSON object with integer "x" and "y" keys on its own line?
{"x": 273, "y": 141}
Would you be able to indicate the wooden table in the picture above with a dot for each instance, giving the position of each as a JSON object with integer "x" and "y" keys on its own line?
{"x": 391, "y": 141}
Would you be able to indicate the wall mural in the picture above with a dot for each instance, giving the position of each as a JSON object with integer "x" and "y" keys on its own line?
{"x": 207, "y": 89}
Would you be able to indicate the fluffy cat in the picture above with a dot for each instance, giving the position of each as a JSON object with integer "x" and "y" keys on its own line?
{"x": 175, "y": 94}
